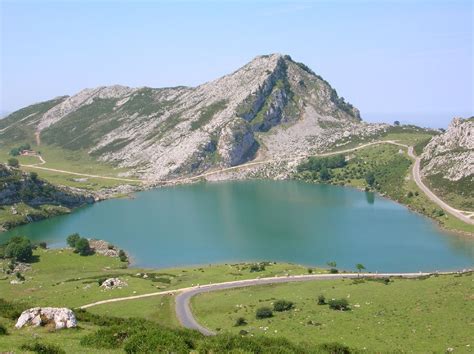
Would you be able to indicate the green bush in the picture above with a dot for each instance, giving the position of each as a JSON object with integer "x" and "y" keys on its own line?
{"x": 123, "y": 256}
{"x": 3, "y": 330}
{"x": 83, "y": 247}
{"x": 334, "y": 348}
{"x": 12, "y": 310}
{"x": 72, "y": 240}
{"x": 240, "y": 322}
{"x": 19, "y": 248}
{"x": 321, "y": 300}
{"x": 12, "y": 162}
{"x": 42, "y": 348}
{"x": 257, "y": 267}
{"x": 339, "y": 304}
{"x": 282, "y": 305}
{"x": 264, "y": 312}
{"x": 43, "y": 245}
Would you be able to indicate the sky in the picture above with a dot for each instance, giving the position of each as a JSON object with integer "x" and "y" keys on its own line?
{"x": 403, "y": 60}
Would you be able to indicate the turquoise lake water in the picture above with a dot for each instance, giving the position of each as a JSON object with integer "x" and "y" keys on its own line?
{"x": 262, "y": 220}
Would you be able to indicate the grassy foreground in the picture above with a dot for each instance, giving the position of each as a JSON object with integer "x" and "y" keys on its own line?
{"x": 421, "y": 316}
{"x": 409, "y": 315}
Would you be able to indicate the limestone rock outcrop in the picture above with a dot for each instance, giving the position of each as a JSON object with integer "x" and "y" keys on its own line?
{"x": 40, "y": 316}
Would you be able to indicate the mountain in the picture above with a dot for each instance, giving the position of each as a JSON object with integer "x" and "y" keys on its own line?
{"x": 448, "y": 163}
{"x": 273, "y": 107}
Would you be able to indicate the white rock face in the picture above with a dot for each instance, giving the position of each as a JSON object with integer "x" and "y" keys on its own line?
{"x": 160, "y": 134}
{"x": 113, "y": 283}
{"x": 451, "y": 153}
{"x": 37, "y": 316}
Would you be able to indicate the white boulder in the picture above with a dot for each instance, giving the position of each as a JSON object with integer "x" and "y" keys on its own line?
{"x": 113, "y": 283}
{"x": 37, "y": 316}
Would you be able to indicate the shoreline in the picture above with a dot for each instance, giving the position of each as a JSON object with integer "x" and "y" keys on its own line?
{"x": 102, "y": 196}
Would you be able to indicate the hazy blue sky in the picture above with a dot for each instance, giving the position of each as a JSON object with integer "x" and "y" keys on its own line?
{"x": 406, "y": 60}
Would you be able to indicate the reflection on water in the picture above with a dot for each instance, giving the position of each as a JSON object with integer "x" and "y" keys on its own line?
{"x": 263, "y": 220}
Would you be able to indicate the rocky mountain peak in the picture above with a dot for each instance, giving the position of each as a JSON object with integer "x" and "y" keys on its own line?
{"x": 273, "y": 106}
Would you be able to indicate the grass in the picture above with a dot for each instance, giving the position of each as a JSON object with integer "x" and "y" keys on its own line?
{"x": 63, "y": 278}
{"x": 23, "y": 211}
{"x": 428, "y": 315}
{"x": 207, "y": 113}
{"x": 77, "y": 161}
{"x": 60, "y": 278}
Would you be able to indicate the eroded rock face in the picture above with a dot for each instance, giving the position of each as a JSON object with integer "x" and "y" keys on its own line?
{"x": 451, "y": 153}
{"x": 160, "y": 134}
{"x": 40, "y": 316}
{"x": 236, "y": 142}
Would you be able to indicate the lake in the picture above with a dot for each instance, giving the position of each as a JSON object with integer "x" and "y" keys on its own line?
{"x": 262, "y": 220}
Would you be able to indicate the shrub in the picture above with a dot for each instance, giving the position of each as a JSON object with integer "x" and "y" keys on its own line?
{"x": 11, "y": 310}
{"x": 257, "y": 267}
{"x": 19, "y": 248}
{"x": 42, "y": 348}
{"x": 13, "y": 162}
{"x": 410, "y": 194}
{"x": 339, "y": 304}
{"x": 282, "y": 305}
{"x": 43, "y": 245}
{"x": 100, "y": 281}
{"x": 3, "y": 330}
{"x": 110, "y": 246}
{"x": 83, "y": 247}
{"x": 123, "y": 256}
{"x": 333, "y": 271}
{"x": 33, "y": 176}
{"x": 334, "y": 348}
{"x": 310, "y": 270}
{"x": 264, "y": 312}
{"x": 321, "y": 300}
{"x": 240, "y": 322}
{"x": 19, "y": 276}
{"x": 72, "y": 239}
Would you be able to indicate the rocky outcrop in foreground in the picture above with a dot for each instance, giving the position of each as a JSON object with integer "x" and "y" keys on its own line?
{"x": 41, "y": 316}
{"x": 451, "y": 154}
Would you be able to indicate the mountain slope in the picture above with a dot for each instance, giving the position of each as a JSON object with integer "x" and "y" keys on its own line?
{"x": 272, "y": 107}
{"x": 448, "y": 164}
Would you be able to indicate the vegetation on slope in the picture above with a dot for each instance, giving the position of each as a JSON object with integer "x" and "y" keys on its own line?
{"x": 400, "y": 315}
{"x": 25, "y": 197}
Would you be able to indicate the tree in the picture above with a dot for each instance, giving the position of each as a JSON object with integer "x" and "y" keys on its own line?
{"x": 332, "y": 264}
{"x": 397, "y": 123}
{"x": 359, "y": 267}
{"x": 264, "y": 312}
{"x": 83, "y": 247}
{"x": 123, "y": 256}
{"x": 13, "y": 162}
{"x": 72, "y": 240}
{"x": 33, "y": 176}
{"x": 282, "y": 305}
{"x": 19, "y": 248}
{"x": 324, "y": 174}
{"x": 370, "y": 178}
{"x": 15, "y": 152}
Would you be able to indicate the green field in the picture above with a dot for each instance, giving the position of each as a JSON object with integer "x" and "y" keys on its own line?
{"x": 418, "y": 316}
{"x": 62, "y": 278}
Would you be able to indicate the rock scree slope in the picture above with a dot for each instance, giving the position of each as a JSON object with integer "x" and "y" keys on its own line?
{"x": 273, "y": 107}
